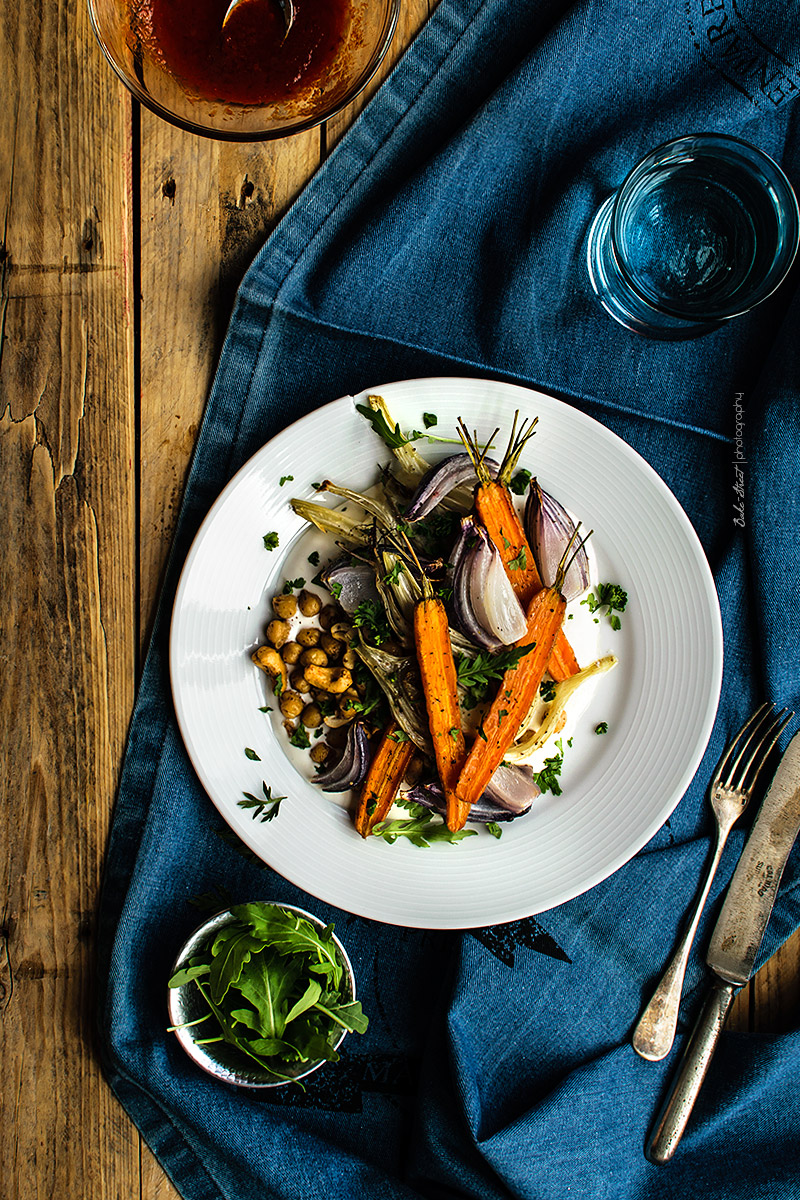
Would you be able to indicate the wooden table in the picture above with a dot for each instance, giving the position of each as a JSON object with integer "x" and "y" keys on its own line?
{"x": 123, "y": 241}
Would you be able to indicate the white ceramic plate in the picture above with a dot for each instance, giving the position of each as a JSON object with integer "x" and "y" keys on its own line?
{"x": 618, "y": 789}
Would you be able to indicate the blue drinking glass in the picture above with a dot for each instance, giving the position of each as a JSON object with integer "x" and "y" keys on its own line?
{"x": 702, "y": 229}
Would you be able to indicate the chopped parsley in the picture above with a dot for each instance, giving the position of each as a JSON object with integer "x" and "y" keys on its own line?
{"x": 370, "y": 616}
{"x": 608, "y": 596}
{"x": 602, "y": 727}
{"x": 520, "y": 562}
{"x": 313, "y": 558}
{"x": 494, "y": 829}
{"x": 547, "y": 779}
{"x": 335, "y": 590}
{"x": 271, "y": 540}
{"x": 300, "y": 738}
{"x": 251, "y": 754}
{"x": 285, "y": 479}
{"x": 394, "y": 574}
{"x": 291, "y": 584}
{"x": 429, "y": 420}
{"x": 547, "y": 690}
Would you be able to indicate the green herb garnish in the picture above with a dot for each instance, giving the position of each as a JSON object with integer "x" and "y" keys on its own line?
{"x": 300, "y": 738}
{"x": 602, "y": 727}
{"x": 519, "y": 484}
{"x": 271, "y": 540}
{"x": 251, "y": 754}
{"x": 476, "y": 674}
{"x": 285, "y": 479}
{"x": 429, "y": 420}
{"x": 370, "y": 616}
{"x": 547, "y": 778}
{"x": 263, "y": 810}
{"x": 393, "y": 438}
{"x": 547, "y": 690}
{"x": 494, "y": 829}
{"x": 313, "y": 558}
{"x": 290, "y": 585}
{"x": 276, "y": 989}
{"x": 612, "y": 598}
{"x": 520, "y": 562}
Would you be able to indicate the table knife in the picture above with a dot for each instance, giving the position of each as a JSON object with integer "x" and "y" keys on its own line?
{"x": 734, "y": 944}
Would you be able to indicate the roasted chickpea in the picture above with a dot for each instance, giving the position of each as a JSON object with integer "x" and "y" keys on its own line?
{"x": 311, "y": 716}
{"x": 332, "y": 679}
{"x": 315, "y": 657}
{"x": 343, "y": 632}
{"x": 337, "y": 737}
{"x": 319, "y": 754}
{"x": 291, "y": 704}
{"x": 345, "y": 707}
{"x": 291, "y": 652}
{"x": 278, "y": 632}
{"x": 309, "y": 636}
{"x": 329, "y": 615}
{"x": 331, "y": 645}
{"x": 309, "y": 603}
{"x": 349, "y": 659}
{"x": 284, "y": 606}
{"x": 299, "y": 681}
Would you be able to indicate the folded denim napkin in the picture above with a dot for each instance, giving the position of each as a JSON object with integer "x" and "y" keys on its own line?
{"x": 443, "y": 236}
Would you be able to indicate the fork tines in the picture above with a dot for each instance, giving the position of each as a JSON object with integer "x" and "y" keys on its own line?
{"x": 753, "y": 741}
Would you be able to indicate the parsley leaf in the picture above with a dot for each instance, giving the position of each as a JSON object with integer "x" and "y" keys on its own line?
{"x": 285, "y": 479}
{"x": 371, "y": 617}
{"x": 264, "y": 810}
{"x": 429, "y": 420}
{"x": 251, "y": 754}
{"x": 611, "y": 597}
{"x": 291, "y": 584}
{"x": 547, "y": 779}
{"x": 476, "y": 674}
{"x": 602, "y": 727}
{"x": 494, "y": 829}
{"x": 300, "y": 738}
{"x": 520, "y": 562}
{"x": 313, "y": 558}
{"x": 271, "y": 540}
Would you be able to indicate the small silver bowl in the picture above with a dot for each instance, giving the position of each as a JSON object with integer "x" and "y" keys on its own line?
{"x": 221, "y": 1059}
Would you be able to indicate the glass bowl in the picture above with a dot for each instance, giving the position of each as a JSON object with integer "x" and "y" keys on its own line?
{"x": 221, "y": 1059}
{"x": 121, "y": 29}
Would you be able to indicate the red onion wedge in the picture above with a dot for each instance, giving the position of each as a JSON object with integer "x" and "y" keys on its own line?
{"x": 440, "y": 480}
{"x": 351, "y": 768}
{"x": 486, "y": 607}
{"x": 549, "y": 528}
{"x": 508, "y": 796}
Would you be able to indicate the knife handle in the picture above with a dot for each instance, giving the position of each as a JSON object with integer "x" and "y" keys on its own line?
{"x": 672, "y": 1119}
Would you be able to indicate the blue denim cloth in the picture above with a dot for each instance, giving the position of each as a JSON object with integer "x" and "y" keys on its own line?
{"x": 444, "y": 236}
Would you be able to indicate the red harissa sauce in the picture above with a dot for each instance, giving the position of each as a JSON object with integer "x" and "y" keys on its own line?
{"x": 250, "y": 62}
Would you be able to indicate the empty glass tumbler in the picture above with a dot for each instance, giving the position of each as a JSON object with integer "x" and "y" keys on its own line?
{"x": 701, "y": 230}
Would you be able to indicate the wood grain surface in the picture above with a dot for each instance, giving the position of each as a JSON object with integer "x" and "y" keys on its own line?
{"x": 123, "y": 242}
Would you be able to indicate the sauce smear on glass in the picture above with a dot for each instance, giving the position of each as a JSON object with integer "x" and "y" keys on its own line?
{"x": 253, "y": 60}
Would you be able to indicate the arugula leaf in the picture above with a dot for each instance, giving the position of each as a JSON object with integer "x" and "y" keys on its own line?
{"x": 393, "y": 438}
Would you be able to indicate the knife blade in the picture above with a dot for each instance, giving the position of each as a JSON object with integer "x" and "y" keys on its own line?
{"x": 734, "y": 944}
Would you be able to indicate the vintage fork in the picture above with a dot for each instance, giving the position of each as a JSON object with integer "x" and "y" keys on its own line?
{"x": 729, "y": 792}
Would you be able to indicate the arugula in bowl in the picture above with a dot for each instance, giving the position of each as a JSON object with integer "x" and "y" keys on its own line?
{"x": 262, "y": 994}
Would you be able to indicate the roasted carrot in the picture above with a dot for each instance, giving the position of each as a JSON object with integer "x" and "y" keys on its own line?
{"x": 438, "y": 671}
{"x": 514, "y": 697}
{"x": 496, "y": 510}
{"x": 386, "y": 771}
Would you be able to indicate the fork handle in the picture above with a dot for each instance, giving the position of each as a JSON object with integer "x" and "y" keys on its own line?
{"x": 672, "y": 1119}
{"x": 655, "y": 1031}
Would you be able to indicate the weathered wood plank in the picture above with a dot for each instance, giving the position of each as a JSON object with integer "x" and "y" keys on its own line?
{"x": 206, "y": 210}
{"x": 66, "y": 625}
